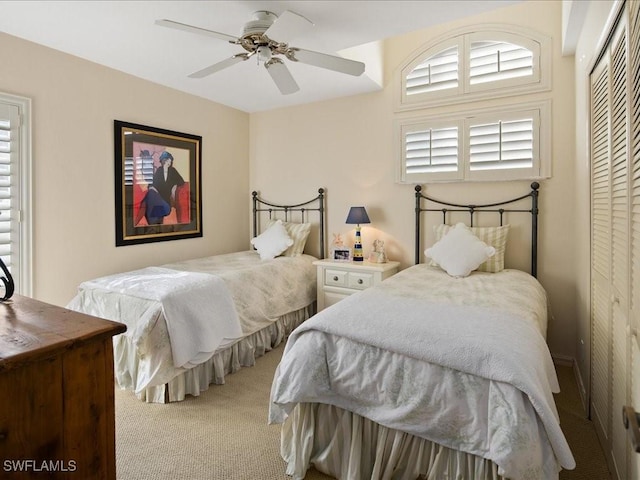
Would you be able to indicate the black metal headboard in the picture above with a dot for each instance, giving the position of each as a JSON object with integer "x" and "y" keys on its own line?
{"x": 289, "y": 213}
{"x": 472, "y": 209}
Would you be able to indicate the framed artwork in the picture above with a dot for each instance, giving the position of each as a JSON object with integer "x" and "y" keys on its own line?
{"x": 157, "y": 184}
{"x": 341, "y": 254}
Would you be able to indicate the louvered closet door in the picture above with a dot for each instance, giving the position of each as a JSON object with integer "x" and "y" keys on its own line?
{"x": 615, "y": 271}
{"x": 600, "y": 249}
{"x": 634, "y": 209}
{"x": 620, "y": 365}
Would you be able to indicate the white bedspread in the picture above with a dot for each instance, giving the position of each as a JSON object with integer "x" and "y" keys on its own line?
{"x": 476, "y": 379}
{"x": 260, "y": 291}
{"x": 197, "y": 307}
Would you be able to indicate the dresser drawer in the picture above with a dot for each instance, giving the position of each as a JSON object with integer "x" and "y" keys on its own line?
{"x": 360, "y": 280}
{"x": 336, "y": 278}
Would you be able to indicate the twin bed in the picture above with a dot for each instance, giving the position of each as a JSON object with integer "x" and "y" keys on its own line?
{"x": 190, "y": 323}
{"x": 435, "y": 373}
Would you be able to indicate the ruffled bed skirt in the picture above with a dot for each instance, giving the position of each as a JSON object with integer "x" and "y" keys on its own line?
{"x": 230, "y": 359}
{"x": 347, "y": 446}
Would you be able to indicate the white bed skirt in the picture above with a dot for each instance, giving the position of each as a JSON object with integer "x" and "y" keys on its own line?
{"x": 230, "y": 359}
{"x": 348, "y": 446}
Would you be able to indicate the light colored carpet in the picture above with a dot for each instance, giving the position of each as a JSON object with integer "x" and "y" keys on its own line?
{"x": 223, "y": 433}
{"x": 579, "y": 431}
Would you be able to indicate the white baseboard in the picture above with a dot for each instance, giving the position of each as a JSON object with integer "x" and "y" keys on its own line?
{"x": 563, "y": 360}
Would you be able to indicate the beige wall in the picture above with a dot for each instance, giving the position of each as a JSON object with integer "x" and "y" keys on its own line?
{"x": 74, "y": 105}
{"x": 590, "y": 43}
{"x": 346, "y": 145}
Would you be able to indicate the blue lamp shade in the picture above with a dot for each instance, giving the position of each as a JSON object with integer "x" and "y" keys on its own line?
{"x": 357, "y": 215}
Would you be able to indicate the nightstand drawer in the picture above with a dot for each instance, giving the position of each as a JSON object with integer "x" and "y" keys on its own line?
{"x": 360, "y": 280}
{"x": 335, "y": 278}
{"x": 338, "y": 280}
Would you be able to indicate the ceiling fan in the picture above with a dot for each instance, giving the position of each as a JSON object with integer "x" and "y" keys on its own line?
{"x": 257, "y": 39}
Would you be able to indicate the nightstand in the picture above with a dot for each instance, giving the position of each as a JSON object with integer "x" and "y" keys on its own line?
{"x": 337, "y": 280}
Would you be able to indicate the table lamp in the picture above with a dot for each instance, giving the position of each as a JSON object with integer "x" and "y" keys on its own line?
{"x": 357, "y": 215}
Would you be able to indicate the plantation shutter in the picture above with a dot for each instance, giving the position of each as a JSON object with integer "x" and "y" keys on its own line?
{"x": 141, "y": 167}
{"x": 8, "y": 146}
{"x": 491, "y": 61}
{"x": 501, "y": 145}
{"x": 438, "y": 72}
{"x": 433, "y": 150}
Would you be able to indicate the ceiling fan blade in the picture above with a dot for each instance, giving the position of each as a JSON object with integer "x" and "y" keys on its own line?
{"x": 330, "y": 62}
{"x": 288, "y": 26}
{"x": 281, "y": 76}
{"x": 198, "y": 30}
{"x": 216, "y": 67}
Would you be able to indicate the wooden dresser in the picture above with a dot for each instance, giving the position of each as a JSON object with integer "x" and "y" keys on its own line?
{"x": 57, "y": 418}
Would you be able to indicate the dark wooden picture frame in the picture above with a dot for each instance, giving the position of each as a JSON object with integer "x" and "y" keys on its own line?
{"x": 157, "y": 184}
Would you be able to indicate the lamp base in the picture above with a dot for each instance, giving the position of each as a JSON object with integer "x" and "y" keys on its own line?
{"x": 357, "y": 247}
{"x": 357, "y": 253}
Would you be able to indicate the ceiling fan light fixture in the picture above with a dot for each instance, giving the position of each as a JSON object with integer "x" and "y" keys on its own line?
{"x": 264, "y": 53}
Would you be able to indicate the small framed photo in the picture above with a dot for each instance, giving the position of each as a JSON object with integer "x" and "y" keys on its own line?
{"x": 341, "y": 254}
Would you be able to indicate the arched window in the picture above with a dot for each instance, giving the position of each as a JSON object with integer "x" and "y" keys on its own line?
{"x": 473, "y": 66}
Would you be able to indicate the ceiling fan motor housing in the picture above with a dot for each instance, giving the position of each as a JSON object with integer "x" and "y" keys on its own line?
{"x": 260, "y": 24}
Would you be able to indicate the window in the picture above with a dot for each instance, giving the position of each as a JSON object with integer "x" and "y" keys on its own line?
{"x": 485, "y": 145}
{"x": 476, "y": 65}
{"x": 502, "y": 139}
{"x": 15, "y": 181}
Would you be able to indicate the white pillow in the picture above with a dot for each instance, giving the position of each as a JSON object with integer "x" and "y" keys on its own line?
{"x": 495, "y": 237}
{"x": 299, "y": 232}
{"x": 459, "y": 251}
{"x": 272, "y": 242}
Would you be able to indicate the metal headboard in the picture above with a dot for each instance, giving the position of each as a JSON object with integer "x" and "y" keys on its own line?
{"x": 472, "y": 209}
{"x": 288, "y": 213}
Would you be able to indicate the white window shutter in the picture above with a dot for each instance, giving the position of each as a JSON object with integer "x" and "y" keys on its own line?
{"x": 15, "y": 190}
{"x": 501, "y": 145}
{"x": 432, "y": 150}
{"x": 141, "y": 166}
{"x": 7, "y": 119}
{"x": 438, "y": 72}
{"x": 492, "y": 61}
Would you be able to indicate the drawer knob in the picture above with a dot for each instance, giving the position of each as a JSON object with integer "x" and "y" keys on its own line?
{"x": 335, "y": 278}
{"x": 359, "y": 281}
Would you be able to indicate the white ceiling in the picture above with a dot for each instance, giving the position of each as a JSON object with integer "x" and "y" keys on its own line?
{"x": 122, "y": 35}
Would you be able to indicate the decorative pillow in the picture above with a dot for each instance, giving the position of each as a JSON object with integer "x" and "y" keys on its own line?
{"x": 273, "y": 241}
{"x": 494, "y": 236}
{"x": 459, "y": 251}
{"x": 299, "y": 232}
